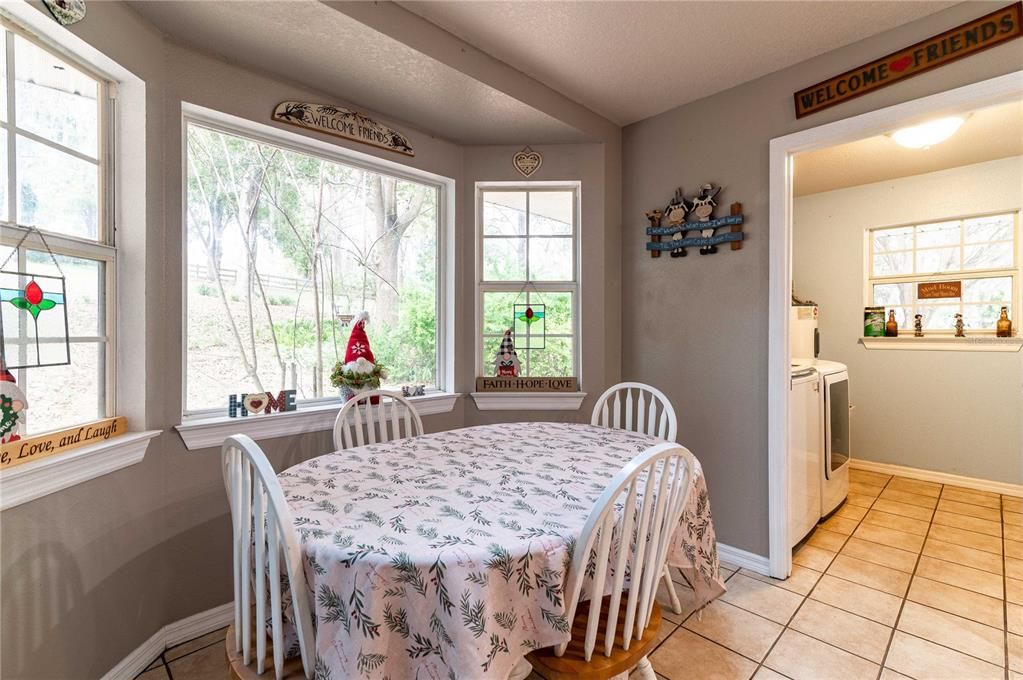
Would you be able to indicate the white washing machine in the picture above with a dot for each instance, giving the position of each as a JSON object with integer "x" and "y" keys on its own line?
{"x": 834, "y": 388}
{"x": 805, "y": 452}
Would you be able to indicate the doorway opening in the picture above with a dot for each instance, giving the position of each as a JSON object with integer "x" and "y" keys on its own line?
{"x": 881, "y": 275}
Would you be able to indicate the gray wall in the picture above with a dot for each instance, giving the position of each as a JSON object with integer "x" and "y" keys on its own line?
{"x": 698, "y": 327}
{"x": 91, "y": 572}
{"x": 910, "y": 404}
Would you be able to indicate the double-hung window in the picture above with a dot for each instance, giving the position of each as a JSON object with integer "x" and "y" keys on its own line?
{"x": 286, "y": 242}
{"x": 979, "y": 252}
{"x": 527, "y": 258}
{"x": 53, "y": 130}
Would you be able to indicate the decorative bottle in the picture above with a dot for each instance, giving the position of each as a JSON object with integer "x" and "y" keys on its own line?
{"x": 891, "y": 329}
{"x": 1003, "y": 329}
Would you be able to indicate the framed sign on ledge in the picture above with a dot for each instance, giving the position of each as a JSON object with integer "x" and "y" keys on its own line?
{"x": 517, "y": 384}
{"x": 50, "y": 444}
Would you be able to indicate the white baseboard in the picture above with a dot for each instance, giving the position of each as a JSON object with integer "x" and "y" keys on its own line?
{"x": 168, "y": 636}
{"x": 939, "y": 477}
{"x": 744, "y": 558}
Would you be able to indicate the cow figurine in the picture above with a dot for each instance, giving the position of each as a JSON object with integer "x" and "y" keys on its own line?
{"x": 703, "y": 211}
{"x": 676, "y": 211}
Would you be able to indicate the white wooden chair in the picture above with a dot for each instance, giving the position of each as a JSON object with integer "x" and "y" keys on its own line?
{"x": 263, "y": 533}
{"x": 653, "y": 489}
{"x": 362, "y": 422}
{"x": 649, "y": 413}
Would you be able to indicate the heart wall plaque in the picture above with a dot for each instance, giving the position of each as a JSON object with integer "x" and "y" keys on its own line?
{"x": 527, "y": 161}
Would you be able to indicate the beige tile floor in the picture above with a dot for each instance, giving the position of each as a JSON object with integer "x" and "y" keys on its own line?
{"x": 907, "y": 579}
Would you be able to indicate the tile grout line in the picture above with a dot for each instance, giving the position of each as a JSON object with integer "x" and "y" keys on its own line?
{"x": 891, "y": 636}
{"x": 806, "y": 597}
{"x": 1005, "y": 588}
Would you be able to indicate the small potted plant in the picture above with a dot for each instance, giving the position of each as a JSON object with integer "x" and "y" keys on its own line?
{"x": 359, "y": 372}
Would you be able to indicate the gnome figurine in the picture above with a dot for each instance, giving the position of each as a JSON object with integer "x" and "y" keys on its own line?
{"x": 360, "y": 371}
{"x": 12, "y": 407}
{"x": 506, "y": 364}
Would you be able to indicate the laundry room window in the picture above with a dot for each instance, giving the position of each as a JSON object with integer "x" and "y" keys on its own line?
{"x": 980, "y": 252}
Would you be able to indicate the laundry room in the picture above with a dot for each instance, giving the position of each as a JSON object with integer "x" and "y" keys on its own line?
{"x": 905, "y": 294}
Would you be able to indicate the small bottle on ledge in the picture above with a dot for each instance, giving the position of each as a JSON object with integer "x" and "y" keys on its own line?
{"x": 891, "y": 329}
{"x": 1003, "y": 329}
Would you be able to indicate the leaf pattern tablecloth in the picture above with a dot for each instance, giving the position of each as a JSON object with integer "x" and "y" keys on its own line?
{"x": 443, "y": 556}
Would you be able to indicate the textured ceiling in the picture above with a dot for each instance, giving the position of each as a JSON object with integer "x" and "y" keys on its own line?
{"x": 631, "y": 60}
{"x": 310, "y": 43}
{"x": 988, "y": 134}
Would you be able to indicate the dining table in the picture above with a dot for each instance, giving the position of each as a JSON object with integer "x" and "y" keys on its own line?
{"x": 444, "y": 556}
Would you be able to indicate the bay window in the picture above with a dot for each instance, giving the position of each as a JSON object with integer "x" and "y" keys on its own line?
{"x": 285, "y": 243}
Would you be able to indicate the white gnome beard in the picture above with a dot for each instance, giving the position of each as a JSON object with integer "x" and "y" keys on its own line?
{"x": 19, "y": 404}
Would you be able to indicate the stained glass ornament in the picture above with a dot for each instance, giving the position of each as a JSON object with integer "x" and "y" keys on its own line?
{"x": 529, "y": 324}
{"x": 33, "y": 320}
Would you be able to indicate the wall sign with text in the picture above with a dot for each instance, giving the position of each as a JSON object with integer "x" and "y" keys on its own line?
{"x": 962, "y": 41}
{"x": 45, "y": 445}
{"x": 527, "y": 384}
{"x": 939, "y": 290}
{"x": 343, "y": 123}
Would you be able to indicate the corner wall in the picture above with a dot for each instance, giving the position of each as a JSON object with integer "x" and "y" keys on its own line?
{"x": 698, "y": 327}
{"x": 910, "y": 404}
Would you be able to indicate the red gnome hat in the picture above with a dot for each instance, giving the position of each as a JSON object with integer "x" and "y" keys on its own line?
{"x": 358, "y": 343}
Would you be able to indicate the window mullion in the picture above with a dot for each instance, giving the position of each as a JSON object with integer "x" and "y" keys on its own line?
{"x": 12, "y": 165}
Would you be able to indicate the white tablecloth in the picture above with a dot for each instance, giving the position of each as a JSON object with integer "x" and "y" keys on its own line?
{"x": 443, "y": 556}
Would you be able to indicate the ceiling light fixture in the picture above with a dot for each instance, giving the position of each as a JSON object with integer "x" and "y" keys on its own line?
{"x": 927, "y": 134}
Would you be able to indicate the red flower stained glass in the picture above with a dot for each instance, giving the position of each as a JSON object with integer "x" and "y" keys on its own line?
{"x": 33, "y": 302}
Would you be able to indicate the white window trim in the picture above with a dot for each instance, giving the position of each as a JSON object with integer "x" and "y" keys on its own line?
{"x": 210, "y": 432}
{"x": 933, "y": 335}
{"x": 199, "y": 428}
{"x": 537, "y": 401}
{"x": 40, "y": 478}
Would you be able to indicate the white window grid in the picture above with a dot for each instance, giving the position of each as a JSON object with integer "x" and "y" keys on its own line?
{"x": 102, "y": 249}
{"x": 261, "y": 134}
{"x": 1012, "y": 272}
{"x": 532, "y": 291}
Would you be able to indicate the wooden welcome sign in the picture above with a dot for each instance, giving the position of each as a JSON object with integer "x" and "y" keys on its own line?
{"x": 962, "y": 41}
{"x": 344, "y": 123}
{"x": 34, "y": 448}
{"x": 939, "y": 289}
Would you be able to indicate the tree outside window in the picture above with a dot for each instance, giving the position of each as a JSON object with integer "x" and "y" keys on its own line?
{"x": 284, "y": 247}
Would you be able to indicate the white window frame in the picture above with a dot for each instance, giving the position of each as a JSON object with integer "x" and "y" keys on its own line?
{"x": 1012, "y": 271}
{"x": 103, "y": 248}
{"x": 264, "y": 134}
{"x": 573, "y": 286}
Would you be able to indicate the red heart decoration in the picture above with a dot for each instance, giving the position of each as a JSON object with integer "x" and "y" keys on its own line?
{"x": 258, "y": 404}
{"x": 902, "y": 64}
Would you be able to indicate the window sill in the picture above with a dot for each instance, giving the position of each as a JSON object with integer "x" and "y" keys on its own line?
{"x": 528, "y": 401}
{"x": 204, "y": 433}
{"x": 36, "y": 479}
{"x": 945, "y": 343}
